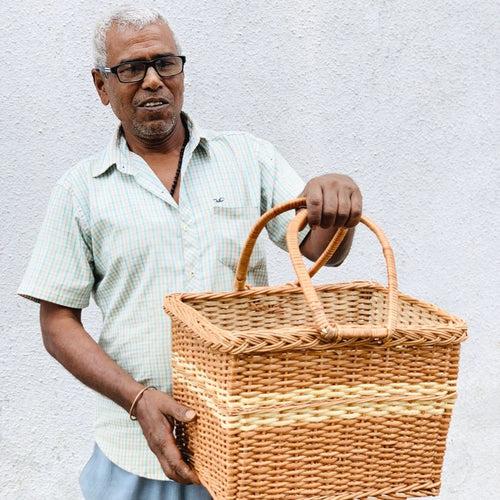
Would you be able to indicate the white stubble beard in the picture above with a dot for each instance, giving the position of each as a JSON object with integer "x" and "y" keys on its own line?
{"x": 152, "y": 131}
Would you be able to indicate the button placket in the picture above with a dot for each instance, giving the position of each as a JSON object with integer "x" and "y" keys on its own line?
{"x": 189, "y": 235}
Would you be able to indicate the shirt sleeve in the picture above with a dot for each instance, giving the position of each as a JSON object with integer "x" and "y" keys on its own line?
{"x": 61, "y": 266}
{"x": 279, "y": 183}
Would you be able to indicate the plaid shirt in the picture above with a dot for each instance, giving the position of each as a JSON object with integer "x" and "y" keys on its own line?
{"x": 113, "y": 231}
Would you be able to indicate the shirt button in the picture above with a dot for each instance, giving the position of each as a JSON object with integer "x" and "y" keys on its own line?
{"x": 184, "y": 226}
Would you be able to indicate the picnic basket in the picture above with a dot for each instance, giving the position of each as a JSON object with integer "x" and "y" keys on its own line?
{"x": 338, "y": 391}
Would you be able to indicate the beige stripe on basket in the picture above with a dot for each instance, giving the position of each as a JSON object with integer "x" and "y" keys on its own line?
{"x": 253, "y": 410}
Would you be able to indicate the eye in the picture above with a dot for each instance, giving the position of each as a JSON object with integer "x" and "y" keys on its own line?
{"x": 163, "y": 63}
{"x": 130, "y": 69}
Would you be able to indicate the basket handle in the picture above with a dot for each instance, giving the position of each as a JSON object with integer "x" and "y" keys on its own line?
{"x": 242, "y": 267}
{"x": 327, "y": 330}
{"x": 330, "y": 331}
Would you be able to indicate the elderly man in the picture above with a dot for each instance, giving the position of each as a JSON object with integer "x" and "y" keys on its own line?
{"x": 164, "y": 208}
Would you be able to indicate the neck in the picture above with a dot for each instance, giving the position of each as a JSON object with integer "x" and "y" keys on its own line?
{"x": 169, "y": 144}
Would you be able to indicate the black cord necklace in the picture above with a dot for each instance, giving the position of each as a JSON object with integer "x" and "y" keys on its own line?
{"x": 177, "y": 173}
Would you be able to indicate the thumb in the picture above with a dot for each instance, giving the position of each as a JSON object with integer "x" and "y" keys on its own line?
{"x": 179, "y": 411}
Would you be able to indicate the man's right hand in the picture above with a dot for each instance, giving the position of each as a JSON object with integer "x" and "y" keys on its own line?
{"x": 155, "y": 412}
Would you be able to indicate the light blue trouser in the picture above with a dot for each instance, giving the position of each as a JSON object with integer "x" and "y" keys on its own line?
{"x": 101, "y": 479}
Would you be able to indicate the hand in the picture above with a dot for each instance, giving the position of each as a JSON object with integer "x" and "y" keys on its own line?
{"x": 155, "y": 412}
{"x": 333, "y": 200}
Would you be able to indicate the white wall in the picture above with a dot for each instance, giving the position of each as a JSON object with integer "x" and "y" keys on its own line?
{"x": 398, "y": 94}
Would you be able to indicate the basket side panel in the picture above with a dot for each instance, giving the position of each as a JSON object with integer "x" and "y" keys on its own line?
{"x": 311, "y": 369}
{"x": 341, "y": 458}
{"x": 207, "y": 447}
{"x": 390, "y": 442}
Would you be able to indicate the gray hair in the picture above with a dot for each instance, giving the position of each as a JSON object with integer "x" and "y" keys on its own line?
{"x": 125, "y": 16}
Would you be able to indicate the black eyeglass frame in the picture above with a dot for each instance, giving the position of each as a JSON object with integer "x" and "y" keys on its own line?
{"x": 147, "y": 63}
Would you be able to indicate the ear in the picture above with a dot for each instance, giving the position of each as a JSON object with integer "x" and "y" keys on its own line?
{"x": 100, "y": 85}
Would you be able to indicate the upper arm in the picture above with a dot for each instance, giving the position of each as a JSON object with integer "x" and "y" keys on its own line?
{"x": 61, "y": 266}
{"x": 49, "y": 312}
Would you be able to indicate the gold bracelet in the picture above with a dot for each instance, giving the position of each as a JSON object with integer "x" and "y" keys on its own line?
{"x": 141, "y": 392}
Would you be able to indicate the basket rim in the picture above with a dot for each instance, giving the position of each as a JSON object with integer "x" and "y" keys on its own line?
{"x": 256, "y": 291}
{"x": 177, "y": 306}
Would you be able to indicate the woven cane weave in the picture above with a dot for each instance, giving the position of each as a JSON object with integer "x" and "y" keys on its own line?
{"x": 339, "y": 391}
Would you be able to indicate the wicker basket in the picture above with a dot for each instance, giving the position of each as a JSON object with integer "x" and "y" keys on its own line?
{"x": 337, "y": 391}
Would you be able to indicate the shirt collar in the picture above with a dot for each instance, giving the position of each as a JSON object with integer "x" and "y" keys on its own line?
{"x": 117, "y": 152}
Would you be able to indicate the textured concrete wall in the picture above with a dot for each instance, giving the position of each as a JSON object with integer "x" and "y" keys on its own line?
{"x": 397, "y": 94}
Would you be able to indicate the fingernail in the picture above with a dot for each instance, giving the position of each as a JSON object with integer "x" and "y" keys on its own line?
{"x": 190, "y": 414}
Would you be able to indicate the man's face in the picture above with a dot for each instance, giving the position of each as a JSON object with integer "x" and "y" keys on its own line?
{"x": 127, "y": 99}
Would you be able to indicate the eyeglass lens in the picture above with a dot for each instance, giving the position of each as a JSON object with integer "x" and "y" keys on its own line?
{"x": 136, "y": 70}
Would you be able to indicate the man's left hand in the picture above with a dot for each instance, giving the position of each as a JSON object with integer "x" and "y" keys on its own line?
{"x": 333, "y": 200}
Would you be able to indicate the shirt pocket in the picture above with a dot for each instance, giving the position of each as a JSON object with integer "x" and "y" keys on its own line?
{"x": 232, "y": 224}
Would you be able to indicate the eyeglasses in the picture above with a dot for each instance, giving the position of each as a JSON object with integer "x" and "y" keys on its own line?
{"x": 135, "y": 71}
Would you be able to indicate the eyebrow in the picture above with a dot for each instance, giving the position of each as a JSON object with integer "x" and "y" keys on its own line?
{"x": 163, "y": 54}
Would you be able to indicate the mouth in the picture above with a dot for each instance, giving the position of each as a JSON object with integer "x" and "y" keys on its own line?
{"x": 153, "y": 104}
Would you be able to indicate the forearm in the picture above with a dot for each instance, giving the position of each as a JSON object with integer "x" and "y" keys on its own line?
{"x": 317, "y": 240}
{"x": 67, "y": 341}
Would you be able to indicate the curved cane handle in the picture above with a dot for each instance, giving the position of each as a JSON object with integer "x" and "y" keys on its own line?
{"x": 331, "y": 331}
{"x": 246, "y": 253}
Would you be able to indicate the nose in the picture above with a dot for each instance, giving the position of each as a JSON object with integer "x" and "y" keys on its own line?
{"x": 152, "y": 80}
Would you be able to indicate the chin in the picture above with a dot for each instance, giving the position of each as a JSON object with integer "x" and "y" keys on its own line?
{"x": 154, "y": 130}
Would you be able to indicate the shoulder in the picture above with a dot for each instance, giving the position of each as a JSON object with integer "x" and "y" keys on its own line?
{"x": 79, "y": 176}
{"x": 77, "y": 182}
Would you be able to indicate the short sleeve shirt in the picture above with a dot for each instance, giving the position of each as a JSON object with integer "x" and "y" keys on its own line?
{"x": 113, "y": 231}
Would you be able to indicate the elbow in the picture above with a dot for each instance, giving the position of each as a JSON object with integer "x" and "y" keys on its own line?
{"x": 48, "y": 340}
{"x": 53, "y": 318}
{"x": 45, "y": 328}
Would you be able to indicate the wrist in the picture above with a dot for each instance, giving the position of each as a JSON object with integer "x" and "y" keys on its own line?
{"x": 129, "y": 392}
{"x": 139, "y": 396}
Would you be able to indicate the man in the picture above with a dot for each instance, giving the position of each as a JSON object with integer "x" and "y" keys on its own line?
{"x": 164, "y": 208}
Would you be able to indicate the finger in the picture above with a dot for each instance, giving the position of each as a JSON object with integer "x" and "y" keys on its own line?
{"x": 157, "y": 430}
{"x": 314, "y": 202}
{"x": 356, "y": 208}
{"x": 344, "y": 209}
{"x": 177, "y": 410}
{"x": 156, "y": 437}
{"x": 330, "y": 207}
{"x": 176, "y": 464}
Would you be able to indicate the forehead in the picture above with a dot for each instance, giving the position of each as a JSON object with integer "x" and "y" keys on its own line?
{"x": 128, "y": 42}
